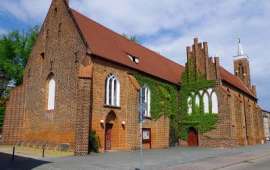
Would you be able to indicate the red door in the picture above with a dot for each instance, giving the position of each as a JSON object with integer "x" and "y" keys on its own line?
{"x": 108, "y": 137}
{"x": 193, "y": 137}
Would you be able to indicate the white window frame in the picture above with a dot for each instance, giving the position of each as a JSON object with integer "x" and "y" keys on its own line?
{"x": 112, "y": 91}
{"x": 51, "y": 94}
{"x": 145, "y": 100}
{"x": 197, "y": 101}
{"x": 189, "y": 105}
{"x": 206, "y": 102}
{"x": 214, "y": 101}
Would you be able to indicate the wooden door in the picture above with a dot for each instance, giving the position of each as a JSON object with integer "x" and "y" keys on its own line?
{"x": 193, "y": 137}
{"x": 108, "y": 136}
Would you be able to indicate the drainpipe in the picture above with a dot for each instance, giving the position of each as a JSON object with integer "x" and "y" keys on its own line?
{"x": 245, "y": 116}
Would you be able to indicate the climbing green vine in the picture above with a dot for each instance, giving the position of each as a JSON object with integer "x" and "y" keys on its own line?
{"x": 163, "y": 102}
{"x": 193, "y": 82}
{"x": 2, "y": 110}
{"x": 168, "y": 100}
{"x": 163, "y": 96}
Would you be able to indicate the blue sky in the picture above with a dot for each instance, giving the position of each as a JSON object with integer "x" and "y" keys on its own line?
{"x": 168, "y": 26}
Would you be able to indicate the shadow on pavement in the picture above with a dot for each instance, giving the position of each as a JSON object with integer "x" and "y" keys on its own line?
{"x": 19, "y": 163}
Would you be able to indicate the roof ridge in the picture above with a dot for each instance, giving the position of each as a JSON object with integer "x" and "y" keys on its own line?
{"x": 126, "y": 39}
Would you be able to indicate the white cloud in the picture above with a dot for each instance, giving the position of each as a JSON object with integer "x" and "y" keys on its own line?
{"x": 2, "y": 31}
{"x": 170, "y": 25}
{"x": 26, "y": 10}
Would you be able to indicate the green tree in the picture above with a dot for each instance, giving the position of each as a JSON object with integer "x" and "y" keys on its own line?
{"x": 15, "y": 48}
{"x": 131, "y": 38}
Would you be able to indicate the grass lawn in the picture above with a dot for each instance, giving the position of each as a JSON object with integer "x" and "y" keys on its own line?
{"x": 33, "y": 152}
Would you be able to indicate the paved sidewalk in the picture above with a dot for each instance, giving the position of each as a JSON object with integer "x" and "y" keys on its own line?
{"x": 171, "y": 159}
{"x": 257, "y": 164}
{"x": 35, "y": 153}
{"x": 224, "y": 161}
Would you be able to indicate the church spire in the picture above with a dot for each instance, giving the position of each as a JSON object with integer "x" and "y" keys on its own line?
{"x": 241, "y": 65}
{"x": 240, "y": 51}
{"x": 240, "y": 48}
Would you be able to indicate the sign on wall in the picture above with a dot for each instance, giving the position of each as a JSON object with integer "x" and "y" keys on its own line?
{"x": 146, "y": 136}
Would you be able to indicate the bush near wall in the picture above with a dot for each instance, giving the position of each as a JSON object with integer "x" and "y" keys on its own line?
{"x": 93, "y": 142}
{"x": 2, "y": 111}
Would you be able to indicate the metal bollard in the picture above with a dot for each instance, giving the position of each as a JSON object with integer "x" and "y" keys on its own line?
{"x": 43, "y": 151}
{"x": 13, "y": 153}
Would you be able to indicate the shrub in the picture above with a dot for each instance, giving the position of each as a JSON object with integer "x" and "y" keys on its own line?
{"x": 2, "y": 111}
{"x": 93, "y": 142}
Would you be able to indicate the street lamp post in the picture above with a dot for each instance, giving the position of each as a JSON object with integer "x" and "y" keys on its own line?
{"x": 141, "y": 119}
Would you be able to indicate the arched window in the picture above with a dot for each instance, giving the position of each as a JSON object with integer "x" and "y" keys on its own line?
{"x": 189, "y": 103}
{"x": 51, "y": 94}
{"x": 197, "y": 100}
{"x": 209, "y": 91}
{"x": 197, "y": 104}
{"x": 214, "y": 100}
{"x": 145, "y": 101}
{"x": 206, "y": 103}
{"x": 112, "y": 91}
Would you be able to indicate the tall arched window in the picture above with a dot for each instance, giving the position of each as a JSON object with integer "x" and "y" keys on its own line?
{"x": 206, "y": 103}
{"x": 145, "y": 101}
{"x": 189, "y": 103}
{"x": 197, "y": 100}
{"x": 51, "y": 94}
{"x": 112, "y": 91}
{"x": 197, "y": 107}
{"x": 214, "y": 100}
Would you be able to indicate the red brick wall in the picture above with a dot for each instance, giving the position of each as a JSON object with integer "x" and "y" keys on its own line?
{"x": 83, "y": 116}
{"x": 14, "y": 116}
{"x": 79, "y": 104}
{"x": 80, "y": 95}
{"x": 63, "y": 51}
{"x": 239, "y": 122}
{"x": 123, "y": 137}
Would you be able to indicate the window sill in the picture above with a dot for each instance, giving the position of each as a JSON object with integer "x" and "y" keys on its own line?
{"x": 110, "y": 106}
{"x": 148, "y": 118}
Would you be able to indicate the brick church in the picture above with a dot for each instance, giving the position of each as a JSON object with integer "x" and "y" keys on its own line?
{"x": 80, "y": 78}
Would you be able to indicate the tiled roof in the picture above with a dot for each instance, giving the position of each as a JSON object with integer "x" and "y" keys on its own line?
{"x": 234, "y": 81}
{"x": 110, "y": 45}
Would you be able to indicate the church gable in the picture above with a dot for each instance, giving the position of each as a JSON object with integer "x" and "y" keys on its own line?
{"x": 59, "y": 51}
{"x": 58, "y": 33}
{"x": 199, "y": 61}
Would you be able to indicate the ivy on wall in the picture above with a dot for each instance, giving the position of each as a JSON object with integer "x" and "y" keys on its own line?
{"x": 193, "y": 82}
{"x": 203, "y": 122}
{"x": 163, "y": 96}
{"x": 3, "y": 101}
{"x": 2, "y": 111}
{"x": 164, "y": 101}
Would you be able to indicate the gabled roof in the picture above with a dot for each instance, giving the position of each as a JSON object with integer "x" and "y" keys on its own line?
{"x": 107, "y": 44}
{"x": 234, "y": 81}
{"x": 112, "y": 46}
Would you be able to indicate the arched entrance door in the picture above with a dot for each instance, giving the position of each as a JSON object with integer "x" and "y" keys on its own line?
{"x": 193, "y": 139}
{"x": 110, "y": 124}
